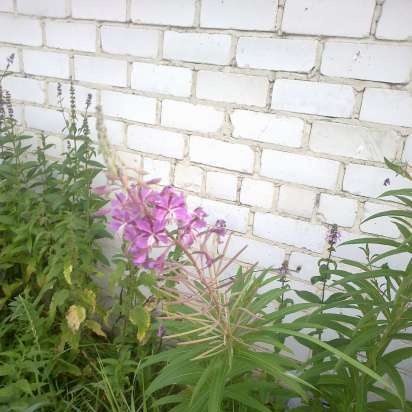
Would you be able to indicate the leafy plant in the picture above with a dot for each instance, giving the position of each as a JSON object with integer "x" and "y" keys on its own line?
{"x": 376, "y": 300}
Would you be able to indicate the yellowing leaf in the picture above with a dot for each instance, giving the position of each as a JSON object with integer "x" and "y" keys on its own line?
{"x": 75, "y": 316}
{"x": 140, "y": 317}
{"x": 90, "y": 299}
{"x": 95, "y": 327}
{"x": 67, "y": 273}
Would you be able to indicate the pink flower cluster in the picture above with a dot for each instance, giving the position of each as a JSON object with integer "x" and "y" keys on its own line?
{"x": 151, "y": 220}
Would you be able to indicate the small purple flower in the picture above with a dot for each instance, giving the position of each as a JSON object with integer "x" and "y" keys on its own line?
{"x": 333, "y": 235}
{"x": 219, "y": 228}
{"x": 387, "y": 182}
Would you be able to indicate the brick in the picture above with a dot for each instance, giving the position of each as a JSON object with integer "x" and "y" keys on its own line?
{"x": 382, "y": 226}
{"x": 198, "y": 47}
{"x": 115, "y": 131}
{"x": 28, "y": 90}
{"x": 236, "y": 217}
{"x": 158, "y": 169}
{"x": 296, "y": 201}
{"x": 349, "y": 18}
{"x": 129, "y": 106}
{"x": 43, "y": 8}
{"x": 5, "y": 53}
{"x": 47, "y": 64}
{"x": 299, "y": 168}
{"x": 256, "y": 193}
{"x": 239, "y": 14}
{"x": 80, "y": 92}
{"x": 256, "y": 252}
{"x": 289, "y": 231}
{"x": 308, "y": 265}
{"x": 221, "y": 185}
{"x": 386, "y": 63}
{"x": 276, "y": 54}
{"x": 353, "y": 141}
{"x": 325, "y": 99}
{"x": 267, "y": 128}
{"x": 20, "y": 30}
{"x": 128, "y": 40}
{"x": 182, "y": 115}
{"x": 154, "y": 78}
{"x": 395, "y": 20}
{"x": 232, "y": 88}
{"x": 387, "y": 106}
{"x": 68, "y": 35}
{"x": 156, "y": 141}
{"x": 99, "y": 9}
{"x": 188, "y": 177}
{"x": 46, "y": 120}
{"x": 407, "y": 150}
{"x": 100, "y": 70}
{"x": 175, "y": 13}
{"x": 217, "y": 153}
{"x": 369, "y": 180}
{"x": 337, "y": 210}
{"x": 7, "y": 5}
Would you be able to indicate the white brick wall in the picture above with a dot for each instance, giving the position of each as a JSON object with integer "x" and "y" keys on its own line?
{"x": 129, "y": 106}
{"x": 199, "y": 47}
{"x": 232, "y": 88}
{"x": 296, "y": 201}
{"x": 189, "y": 116}
{"x": 100, "y": 70}
{"x": 314, "y": 98}
{"x": 176, "y": 13}
{"x": 99, "y": 9}
{"x": 387, "y": 106}
{"x": 20, "y": 30}
{"x": 156, "y": 141}
{"x": 239, "y": 14}
{"x": 385, "y": 63}
{"x": 28, "y": 90}
{"x": 276, "y": 54}
{"x": 175, "y": 81}
{"x": 128, "y": 40}
{"x": 353, "y": 141}
{"x": 67, "y": 35}
{"x": 45, "y": 63}
{"x": 395, "y": 21}
{"x": 349, "y": 18}
{"x": 221, "y": 154}
{"x": 269, "y": 128}
{"x": 290, "y": 167}
{"x": 49, "y": 8}
{"x": 274, "y": 115}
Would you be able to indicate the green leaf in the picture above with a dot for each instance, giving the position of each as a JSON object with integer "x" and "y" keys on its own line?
{"x": 308, "y": 296}
{"x": 140, "y": 317}
{"x": 95, "y": 327}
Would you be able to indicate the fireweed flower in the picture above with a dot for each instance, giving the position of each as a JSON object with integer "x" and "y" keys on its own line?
{"x": 152, "y": 222}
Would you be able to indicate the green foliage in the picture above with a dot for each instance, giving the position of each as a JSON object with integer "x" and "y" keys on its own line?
{"x": 374, "y": 298}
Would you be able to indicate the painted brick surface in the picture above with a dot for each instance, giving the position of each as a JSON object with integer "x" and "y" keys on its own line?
{"x": 384, "y": 63}
{"x": 349, "y": 18}
{"x": 67, "y": 35}
{"x": 128, "y": 40}
{"x": 325, "y": 99}
{"x": 20, "y": 30}
{"x": 276, "y": 54}
{"x": 199, "y": 47}
{"x": 296, "y": 201}
{"x": 49, "y": 8}
{"x": 239, "y": 14}
{"x": 395, "y": 21}
{"x": 268, "y": 128}
{"x": 297, "y": 168}
{"x": 232, "y": 88}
